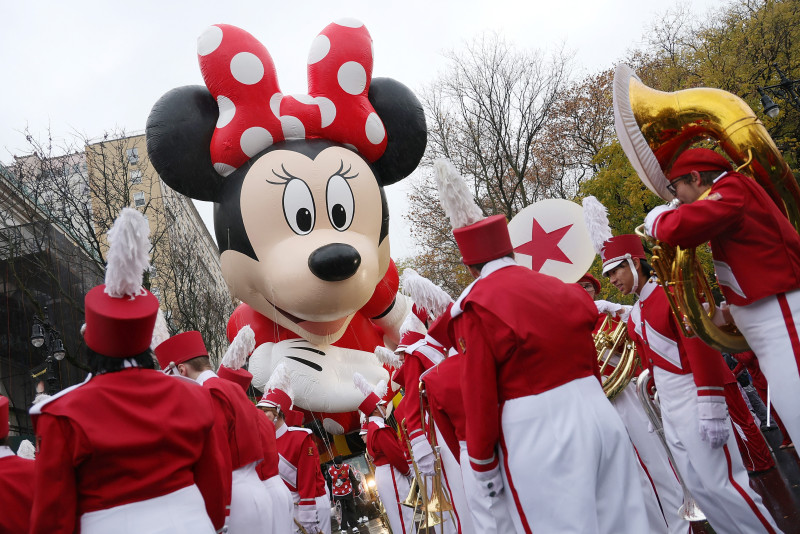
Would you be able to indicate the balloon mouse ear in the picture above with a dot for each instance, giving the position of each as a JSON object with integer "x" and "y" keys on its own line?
{"x": 404, "y": 118}
{"x": 179, "y": 131}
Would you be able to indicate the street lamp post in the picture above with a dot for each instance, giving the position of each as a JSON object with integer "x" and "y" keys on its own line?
{"x": 44, "y": 335}
{"x": 786, "y": 90}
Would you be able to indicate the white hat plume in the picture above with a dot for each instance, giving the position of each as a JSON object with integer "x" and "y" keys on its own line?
{"x": 280, "y": 379}
{"x": 128, "y": 254}
{"x": 366, "y": 388}
{"x": 160, "y": 331}
{"x": 457, "y": 200}
{"x": 26, "y": 450}
{"x": 387, "y": 357}
{"x": 424, "y": 292}
{"x": 412, "y": 324}
{"x": 595, "y": 215}
{"x": 241, "y": 347}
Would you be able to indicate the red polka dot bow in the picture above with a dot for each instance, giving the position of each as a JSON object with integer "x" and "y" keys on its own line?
{"x": 254, "y": 114}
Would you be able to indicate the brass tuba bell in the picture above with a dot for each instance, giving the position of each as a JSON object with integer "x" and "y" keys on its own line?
{"x": 614, "y": 348}
{"x": 653, "y": 128}
{"x": 413, "y": 498}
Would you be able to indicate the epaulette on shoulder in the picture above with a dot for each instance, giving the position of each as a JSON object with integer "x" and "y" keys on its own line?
{"x": 299, "y": 429}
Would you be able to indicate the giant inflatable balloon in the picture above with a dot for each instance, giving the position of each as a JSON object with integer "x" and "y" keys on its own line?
{"x": 300, "y": 214}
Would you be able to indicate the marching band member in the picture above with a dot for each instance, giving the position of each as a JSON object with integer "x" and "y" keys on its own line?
{"x": 689, "y": 376}
{"x": 279, "y": 503}
{"x": 533, "y": 389}
{"x": 663, "y": 495}
{"x": 16, "y": 481}
{"x": 392, "y": 471}
{"x": 299, "y": 459}
{"x": 129, "y": 450}
{"x": 185, "y": 354}
{"x": 756, "y": 255}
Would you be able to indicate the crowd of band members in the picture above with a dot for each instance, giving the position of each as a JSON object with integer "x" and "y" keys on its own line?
{"x": 528, "y": 440}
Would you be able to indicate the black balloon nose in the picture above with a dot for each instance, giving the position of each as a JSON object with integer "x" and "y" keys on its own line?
{"x": 334, "y": 262}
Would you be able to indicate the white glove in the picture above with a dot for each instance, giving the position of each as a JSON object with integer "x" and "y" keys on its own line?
{"x": 423, "y": 455}
{"x": 715, "y": 427}
{"x": 626, "y": 313}
{"x": 719, "y": 317}
{"x": 650, "y": 220}
{"x": 611, "y": 308}
{"x": 490, "y": 482}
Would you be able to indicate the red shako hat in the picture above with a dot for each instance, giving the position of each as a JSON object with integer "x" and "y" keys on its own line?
{"x": 484, "y": 240}
{"x": 121, "y": 314}
{"x": 591, "y": 279}
{"x": 620, "y": 248}
{"x": 243, "y": 377}
{"x": 181, "y": 348}
{"x": 698, "y": 159}
{"x": 3, "y": 417}
{"x": 294, "y": 417}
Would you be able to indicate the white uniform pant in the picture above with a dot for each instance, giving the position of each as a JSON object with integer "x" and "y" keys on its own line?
{"x": 249, "y": 510}
{"x": 569, "y": 464}
{"x": 281, "y": 507}
{"x": 454, "y": 485}
{"x": 654, "y": 457}
{"x": 489, "y": 516}
{"x": 393, "y": 489}
{"x": 715, "y": 477}
{"x": 771, "y": 326}
{"x": 179, "y": 512}
{"x": 323, "y": 512}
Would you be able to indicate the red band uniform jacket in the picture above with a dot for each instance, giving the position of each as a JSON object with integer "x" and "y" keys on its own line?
{"x": 661, "y": 343}
{"x": 756, "y": 250}
{"x": 522, "y": 333}
{"x": 16, "y": 492}
{"x": 419, "y": 359}
{"x": 384, "y": 446}
{"x": 443, "y": 386}
{"x": 120, "y": 438}
{"x": 298, "y": 464}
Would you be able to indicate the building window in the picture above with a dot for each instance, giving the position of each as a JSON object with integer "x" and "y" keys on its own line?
{"x": 133, "y": 155}
{"x": 136, "y": 177}
{"x": 138, "y": 199}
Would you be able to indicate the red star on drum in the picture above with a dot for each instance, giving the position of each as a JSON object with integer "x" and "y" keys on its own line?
{"x": 550, "y": 236}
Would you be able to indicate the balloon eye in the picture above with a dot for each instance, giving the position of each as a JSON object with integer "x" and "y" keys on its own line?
{"x": 298, "y": 206}
{"x": 340, "y": 203}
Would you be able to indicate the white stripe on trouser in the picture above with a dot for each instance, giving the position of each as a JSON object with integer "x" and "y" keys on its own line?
{"x": 764, "y": 327}
{"x": 705, "y": 470}
{"x": 179, "y": 512}
{"x": 452, "y": 474}
{"x": 489, "y": 516}
{"x": 323, "y": 506}
{"x": 571, "y": 462}
{"x": 249, "y": 509}
{"x": 280, "y": 506}
{"x": 386, "y": 477}
{"x": 654, "y": 457}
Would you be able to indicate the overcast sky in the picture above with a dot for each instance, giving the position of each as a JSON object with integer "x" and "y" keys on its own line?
{"x": 89, "y": 66}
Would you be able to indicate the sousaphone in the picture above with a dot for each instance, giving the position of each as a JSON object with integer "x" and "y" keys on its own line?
{"x": 654, "y": 127}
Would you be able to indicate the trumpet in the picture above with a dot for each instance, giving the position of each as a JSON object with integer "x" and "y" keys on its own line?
{"x": 689, "y": 509}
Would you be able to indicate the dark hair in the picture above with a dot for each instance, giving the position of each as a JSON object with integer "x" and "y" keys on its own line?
{"x": 647, "y": 269}
{"x": 480, "y": 266}
{"x": 199, "y": 364}
{"x": 4, "y": 442}
{"x": 100, "y": 364}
